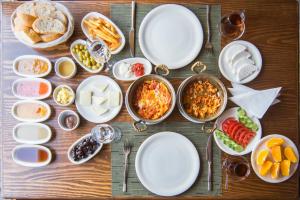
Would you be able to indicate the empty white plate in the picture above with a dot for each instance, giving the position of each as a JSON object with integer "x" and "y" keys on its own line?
{"x": 167, "y": 163}
{"x": 172, "y": 35}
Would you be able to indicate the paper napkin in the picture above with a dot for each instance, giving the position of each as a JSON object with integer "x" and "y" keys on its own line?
{"x": 256, "y": 102}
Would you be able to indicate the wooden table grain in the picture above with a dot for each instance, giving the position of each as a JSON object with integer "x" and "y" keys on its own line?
{"x": 272, "y": 25}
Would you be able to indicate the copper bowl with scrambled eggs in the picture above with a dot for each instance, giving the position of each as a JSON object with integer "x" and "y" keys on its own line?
{"x": 201, "y": 98}
{"x": 149, "y": 100}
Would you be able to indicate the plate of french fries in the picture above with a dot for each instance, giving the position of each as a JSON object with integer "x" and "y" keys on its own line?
{"x": 95, "y": 26}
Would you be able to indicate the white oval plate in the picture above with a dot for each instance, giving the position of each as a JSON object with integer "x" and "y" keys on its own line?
{"x": 32, "y": 57}
{"x": 171, "y": 34}
{"x": 232, "y": 112}
{"x": 80, "y": 41}
{"x": 167, "y": 163}
{"x": 260, "y": 146}
{"x": 226, "y": 69}
{"x": 44, "y": 45}
{"x": 39, "y": 141}
{"x": 29, "y": 164}
{"x": 145, "y": 62}
{"x": 86, "y": 111}
{"x": 31, "y": 120}
{"x": 14, "y": 88}
{"x": 86, "y": 159}
{"x": 99, "y": 15}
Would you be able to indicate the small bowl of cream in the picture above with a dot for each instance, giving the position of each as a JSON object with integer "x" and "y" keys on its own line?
{"x": 65, "y": 68}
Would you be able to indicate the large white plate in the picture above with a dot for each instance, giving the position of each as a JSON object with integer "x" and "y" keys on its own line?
{"x": 86, "y": 111}
{"x": 261, "y": 145}
{"x": 226, "y": 69}
{"x": 172, "y": 35}
{"x": 167, "y": 163}
{"x": 232, "y": 112}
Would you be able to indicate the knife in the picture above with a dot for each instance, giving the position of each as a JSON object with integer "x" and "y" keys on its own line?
{"x": 132, "y": 30}
{"x": 209, "y": 160}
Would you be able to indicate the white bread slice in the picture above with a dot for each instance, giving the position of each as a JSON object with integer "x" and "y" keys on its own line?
{"x": 27, "y": 8}
{"x": 48, "y": 25}
{"x": 26, "y": 19}
{"x": 245, "y": 71}
{"x": 233, "y": 50}
{"x": 19, "y": 25}
{"x": 44, "y": 9}
{"x": 50, "y": 37}
{"x": 241, "y": 62}
{"x": 30, "y": 36}
{"x": 243, "y": 54}
{"x": 60, "y": 16}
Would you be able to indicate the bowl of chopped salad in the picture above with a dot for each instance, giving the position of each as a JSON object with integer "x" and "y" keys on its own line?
{"x": 237, "y": 131}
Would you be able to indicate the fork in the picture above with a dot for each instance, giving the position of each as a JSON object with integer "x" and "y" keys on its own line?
{"x": 126, "y": 149}
{"x": 208, "y": 45}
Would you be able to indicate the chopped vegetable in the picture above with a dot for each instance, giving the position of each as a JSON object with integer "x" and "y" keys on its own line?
{"x": 228, "y": 142}
{"x": 246, "y": 120}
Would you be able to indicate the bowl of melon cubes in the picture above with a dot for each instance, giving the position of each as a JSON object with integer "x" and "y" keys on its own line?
{"x": 275, "y": 158}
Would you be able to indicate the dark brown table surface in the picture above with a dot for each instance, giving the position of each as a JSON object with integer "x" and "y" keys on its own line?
{"x": 272, "y": 25}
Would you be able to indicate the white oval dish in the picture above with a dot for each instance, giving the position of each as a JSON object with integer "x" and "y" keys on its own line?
{"x": 145, "y": 62}
{"x": 56, "y": 67}
{"x": 261, "y": 145}
{"x": 15, "y": 63}
{"x": 56, "y": 91}
{"x": 14, "y": 88}
{"x": 44, "y": 45}
{"x": 99, "y": 15}
{"x": 232, "y": 112}
{"x": 38, "y": 141}
{"x": 86, "y": 159}
{"x": 31, "y": 120}
{"x": 30, "y": 164}
{"x": 63, "y": 114}
{"x": 80, "y": 41}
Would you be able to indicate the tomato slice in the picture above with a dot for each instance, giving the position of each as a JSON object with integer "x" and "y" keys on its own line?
{"x": 243, "y": 134}
{"x": 231, "y": 126}
{"x": 236, "y": 128}
{"x": 226, "y": 123}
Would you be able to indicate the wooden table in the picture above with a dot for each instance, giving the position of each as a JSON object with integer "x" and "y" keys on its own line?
{"x": 272, "y": 25}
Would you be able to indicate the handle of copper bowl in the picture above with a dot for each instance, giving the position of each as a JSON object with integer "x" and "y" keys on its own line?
{"x": 162, "y": 68}
{"x": 139, "y": 126}
{"x": 198, "y": 67}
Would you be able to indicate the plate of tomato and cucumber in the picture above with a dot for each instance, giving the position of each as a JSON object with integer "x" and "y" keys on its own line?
{"x": 237, "y": 131}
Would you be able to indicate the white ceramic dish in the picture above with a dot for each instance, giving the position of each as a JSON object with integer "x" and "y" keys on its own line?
{"x": 16, "y": 82}
{"x": 232, "y": 112}
{"x": 145, "y": 62}
{"x": 31, "y": 120}
{"x": 167, "y": 163}
{"x": 79, "y": 41}
{"x": 16, "y": 61}
{"x": 260, "y": 146}
{"x": 86, "y": 159}
{"x": 29, "y": 164}
{"x": 171, "y": 34}
{"x": 86, "y": 111}
{"x": 226, "y": 69}
{"x": 26, "y": 141}
{"x": 59, "y": 61}
{"x": 99, "y": 15}
{"x": 44, "y": 45}
{"x": 62, "y": 116}
{"x": 56, "y": 91}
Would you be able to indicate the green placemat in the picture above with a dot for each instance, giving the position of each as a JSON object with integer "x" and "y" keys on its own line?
{"x": 191, "y": 130}
{"x": 121, "y": 15}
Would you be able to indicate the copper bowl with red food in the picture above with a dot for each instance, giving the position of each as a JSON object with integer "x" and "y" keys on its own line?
{"x": 150, "y": 100}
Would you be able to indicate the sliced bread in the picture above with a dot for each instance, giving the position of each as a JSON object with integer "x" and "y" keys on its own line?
{"x": 30, "y": 36}
{"x": 44, "y": 9}
{"x": 60, "y": 16}
{"x": 27, "y": 8}
{"x": 48, "y": 25}
{"x": 50, "y": 37}
{"x": 26, "y": 19}
{"x": 19, "y": 25}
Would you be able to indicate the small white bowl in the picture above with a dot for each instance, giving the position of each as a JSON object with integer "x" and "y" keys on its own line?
{"x": 58, "y": 62}
{"x": 62, "y": 116}
{"x": 56, "y": 91}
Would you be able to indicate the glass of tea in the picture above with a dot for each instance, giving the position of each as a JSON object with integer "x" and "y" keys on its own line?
{"x": 232, "y": 26}
{"x": 236, "y": 169}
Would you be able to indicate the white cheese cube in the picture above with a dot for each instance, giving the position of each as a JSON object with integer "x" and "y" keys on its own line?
{"x": 98, "y": 110}
{"x": 100, "y": 87}
{"x": 114, "y": 99}
{"x": 85, "y": 98}
{"x": 98, "y": 100}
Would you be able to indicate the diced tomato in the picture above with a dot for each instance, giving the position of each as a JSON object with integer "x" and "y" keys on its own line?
{"x": 138, "y": 69}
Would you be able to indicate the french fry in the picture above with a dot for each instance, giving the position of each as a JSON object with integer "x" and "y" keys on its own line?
{"x": 105, "y": 37}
